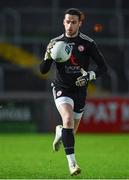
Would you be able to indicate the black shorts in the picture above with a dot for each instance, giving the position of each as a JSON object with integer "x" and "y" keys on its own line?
{"x": 78, "y": 96}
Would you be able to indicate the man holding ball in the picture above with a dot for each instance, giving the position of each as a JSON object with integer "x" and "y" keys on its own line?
{"x": 72, "y": 77}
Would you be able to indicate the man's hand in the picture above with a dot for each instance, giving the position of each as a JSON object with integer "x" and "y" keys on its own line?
{"x": 48, "y": 51}
{"x": 85, "y": 78}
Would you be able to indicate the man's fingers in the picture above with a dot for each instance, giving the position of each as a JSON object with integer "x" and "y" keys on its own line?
{"x": 50, "y": 45}
{"x": 80, "y": 82}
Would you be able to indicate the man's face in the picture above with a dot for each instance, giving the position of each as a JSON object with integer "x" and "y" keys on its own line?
{"x": 71, "y": 24}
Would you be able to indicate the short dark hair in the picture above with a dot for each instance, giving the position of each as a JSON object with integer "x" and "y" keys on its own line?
{"x": 75, "y": 11}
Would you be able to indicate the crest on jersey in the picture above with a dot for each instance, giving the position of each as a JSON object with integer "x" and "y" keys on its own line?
{"x": 81, "y": 48}
{"x": 59, "y": 93}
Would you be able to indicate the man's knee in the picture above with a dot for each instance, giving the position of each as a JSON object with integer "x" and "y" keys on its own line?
{"x": 68, "y": 122}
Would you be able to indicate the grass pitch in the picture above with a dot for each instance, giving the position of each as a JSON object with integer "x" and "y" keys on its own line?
{"x": 30, "y": 156}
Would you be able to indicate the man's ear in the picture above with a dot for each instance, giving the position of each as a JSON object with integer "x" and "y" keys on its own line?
{"x": 63, "y": 22}
{"x": 80, "y": 23}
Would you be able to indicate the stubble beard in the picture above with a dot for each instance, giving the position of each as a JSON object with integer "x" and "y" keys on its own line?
{"x": 71, "y": 34}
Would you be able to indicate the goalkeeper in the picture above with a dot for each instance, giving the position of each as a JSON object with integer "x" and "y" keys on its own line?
{"x": 71, "y": 82}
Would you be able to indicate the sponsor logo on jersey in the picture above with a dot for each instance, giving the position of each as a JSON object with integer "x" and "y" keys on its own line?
{"x": 59, "y": 93}
{"x": 72, "y": 69}
{"x": 81, "y": 48}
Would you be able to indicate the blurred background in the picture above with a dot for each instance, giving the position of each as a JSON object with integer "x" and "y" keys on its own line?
{"x": 26, "y": 102}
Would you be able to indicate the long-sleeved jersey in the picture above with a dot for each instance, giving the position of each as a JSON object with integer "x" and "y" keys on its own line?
{"x": 84, "y": 49}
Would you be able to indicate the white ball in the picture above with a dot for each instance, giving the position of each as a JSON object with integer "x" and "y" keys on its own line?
{"x": 61, "y": 51}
